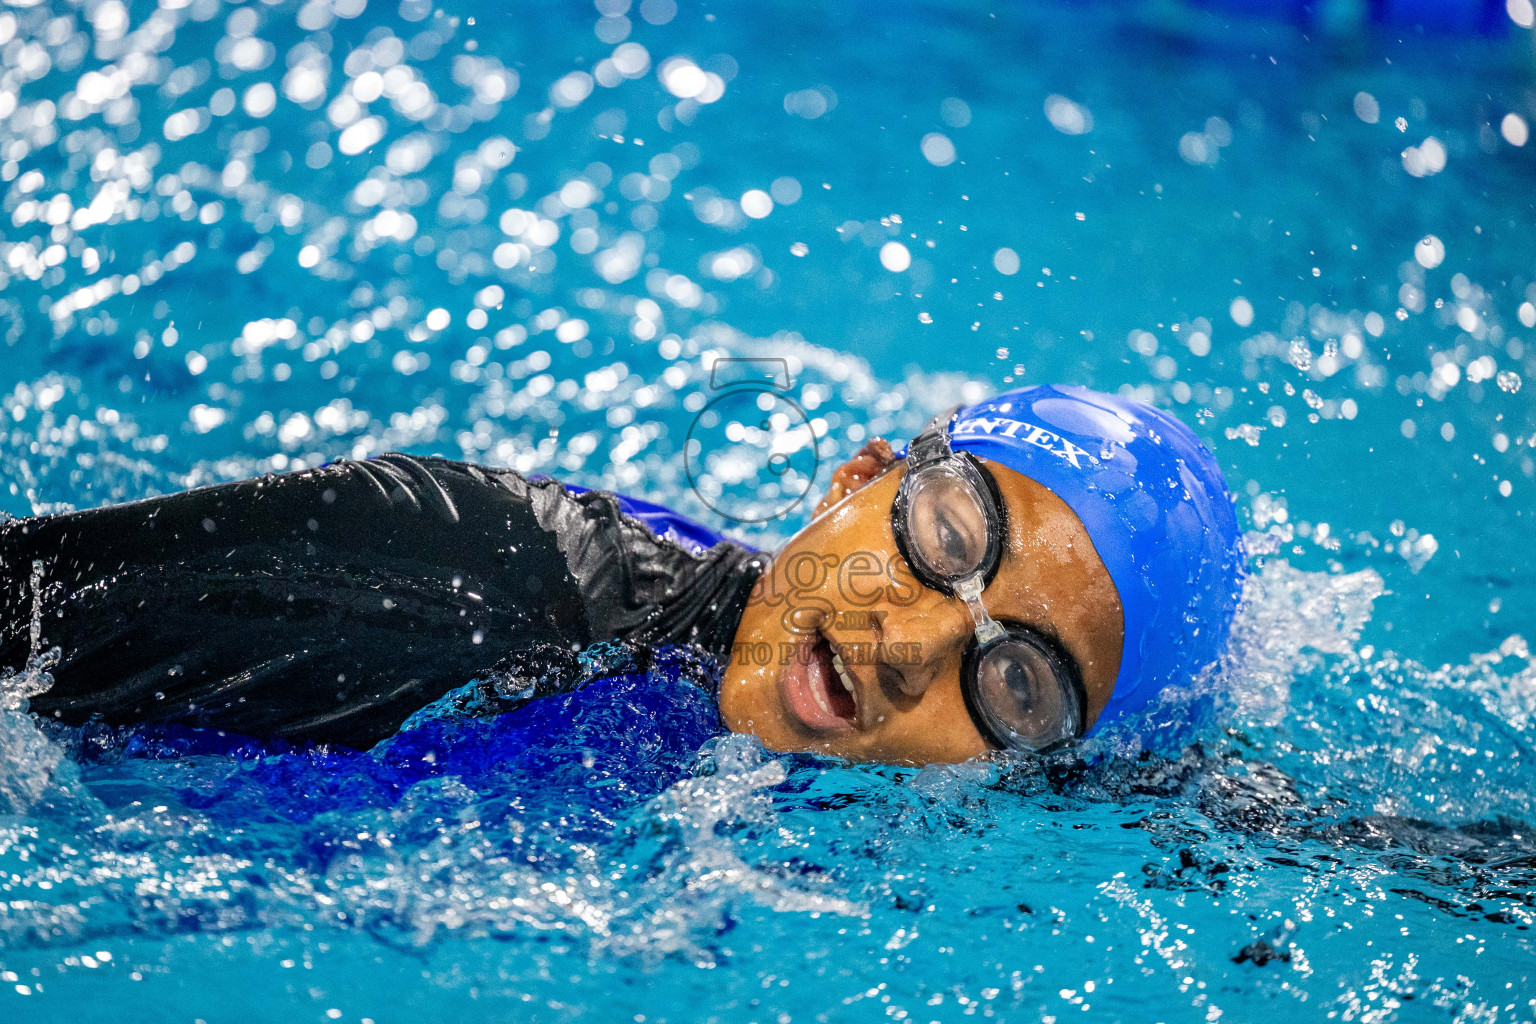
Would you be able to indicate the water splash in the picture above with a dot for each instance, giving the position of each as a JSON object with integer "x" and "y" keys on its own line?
{"x": 27, "y": 757}
{"x": 1290, "y": 621}
{"x": 694, "y": 840}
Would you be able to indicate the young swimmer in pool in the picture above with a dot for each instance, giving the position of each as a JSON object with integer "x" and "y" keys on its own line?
{"x": 1030, "y": 569}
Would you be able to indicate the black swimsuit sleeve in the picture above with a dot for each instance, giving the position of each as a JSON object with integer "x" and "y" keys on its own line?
{"x": 643, "y": 588}
{"x": 330, "y": 604}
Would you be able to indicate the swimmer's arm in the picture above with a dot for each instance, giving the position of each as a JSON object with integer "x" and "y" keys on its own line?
{"x": 324, "y": 605}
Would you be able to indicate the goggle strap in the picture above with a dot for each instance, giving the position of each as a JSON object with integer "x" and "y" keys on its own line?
{"x": 933, "y": 443}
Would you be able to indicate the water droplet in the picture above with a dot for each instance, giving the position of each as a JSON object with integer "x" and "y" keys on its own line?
{"x": 1301, "y": 355}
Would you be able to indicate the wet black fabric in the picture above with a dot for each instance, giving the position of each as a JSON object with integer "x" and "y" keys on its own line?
{"x": 330, "y": 604}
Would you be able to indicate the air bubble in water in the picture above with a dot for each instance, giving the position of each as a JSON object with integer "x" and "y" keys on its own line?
{"x": 1508, "y": 380}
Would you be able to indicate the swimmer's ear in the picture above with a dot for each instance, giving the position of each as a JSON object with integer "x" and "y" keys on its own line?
{"x": 869, "y": 463}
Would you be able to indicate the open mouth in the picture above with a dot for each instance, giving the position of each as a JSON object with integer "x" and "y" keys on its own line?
{"x": 818, "y": 689}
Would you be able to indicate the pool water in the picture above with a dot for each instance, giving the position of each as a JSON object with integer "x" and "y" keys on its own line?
{"x": 255, "y": 237}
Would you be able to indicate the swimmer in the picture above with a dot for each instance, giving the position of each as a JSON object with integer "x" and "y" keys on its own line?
{"x": 1028, "y": 570}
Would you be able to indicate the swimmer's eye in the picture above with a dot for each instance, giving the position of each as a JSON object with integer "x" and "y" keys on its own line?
{"x": 956, "y": 542}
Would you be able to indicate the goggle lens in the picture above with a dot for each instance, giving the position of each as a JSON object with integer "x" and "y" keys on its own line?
{"x": 1024, "y": 695}
{"x": 947, "y": 523}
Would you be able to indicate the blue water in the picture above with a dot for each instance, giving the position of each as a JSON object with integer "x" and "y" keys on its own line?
{"x": 1313, "y": 243}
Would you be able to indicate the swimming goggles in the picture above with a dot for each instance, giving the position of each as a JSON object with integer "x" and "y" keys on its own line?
{"x": 1021, "y": 688}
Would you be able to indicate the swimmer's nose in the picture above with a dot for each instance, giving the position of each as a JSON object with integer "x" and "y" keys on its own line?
{"x": 940, "y": 628}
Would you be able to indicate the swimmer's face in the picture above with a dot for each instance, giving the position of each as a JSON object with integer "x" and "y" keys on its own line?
{"x": 841, "y": 585}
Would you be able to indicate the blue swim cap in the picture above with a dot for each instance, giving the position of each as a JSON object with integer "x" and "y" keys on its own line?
{"x": 1156, "y": 508}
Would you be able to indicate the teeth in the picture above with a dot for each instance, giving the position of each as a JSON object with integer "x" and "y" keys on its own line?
{"x": 842, "y": 672}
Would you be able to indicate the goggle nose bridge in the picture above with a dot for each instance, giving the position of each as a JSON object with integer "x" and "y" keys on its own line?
{"x": 969, "y": 591}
